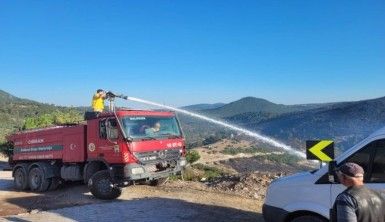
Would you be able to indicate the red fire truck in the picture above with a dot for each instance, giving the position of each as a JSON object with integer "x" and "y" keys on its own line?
{"x": 107, "y": 152}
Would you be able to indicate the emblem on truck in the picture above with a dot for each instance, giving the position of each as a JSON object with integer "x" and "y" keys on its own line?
{"x": 72, "y": 146}
{"x": 91, "y": 147}
{"x": 162, "y": 155}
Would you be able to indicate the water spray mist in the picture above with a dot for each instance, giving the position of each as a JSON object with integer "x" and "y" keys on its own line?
{"x": 258, "y": 136}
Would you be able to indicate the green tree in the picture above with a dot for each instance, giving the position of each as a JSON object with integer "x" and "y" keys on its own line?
{"x": 55, "y": 118}
{"x": 192, "y": 156}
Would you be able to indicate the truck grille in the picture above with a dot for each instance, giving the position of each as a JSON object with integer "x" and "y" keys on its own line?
{"x": 151, "y": 168}
{"x": 158, "y": 156}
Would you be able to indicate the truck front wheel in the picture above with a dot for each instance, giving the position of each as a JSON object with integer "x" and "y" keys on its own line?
{"x": 37, "y": 181}
{"x": 102, "y": 187}
{"x": 21, "y": 179}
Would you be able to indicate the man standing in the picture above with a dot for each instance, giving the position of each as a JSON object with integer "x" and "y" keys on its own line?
{"x": 98, "y": 100}
{"x": 357, "y": 203}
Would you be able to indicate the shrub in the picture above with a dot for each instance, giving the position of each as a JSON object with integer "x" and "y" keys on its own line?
{"x": 210, "y": 140}
{"x": 198, "y": 171}
{"x": 192, "y": 156}
{"x": 285, "y": 158}
{"x": 251, "y": 150}
{"x": 6, "y": 149}
{"x": 209, "y": 171}
{"x": 190, "y": 174}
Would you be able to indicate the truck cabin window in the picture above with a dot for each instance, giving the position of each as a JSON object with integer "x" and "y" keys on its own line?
{"x": 153, "y": 127}
{"x": 372, "y": 159}
{"x": 378, "y": 167}
{"x": 108, "y": 129}
{"x": 362, "y": 158}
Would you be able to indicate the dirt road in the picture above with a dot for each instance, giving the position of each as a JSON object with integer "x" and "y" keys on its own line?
{"x": 147, "y": 209}
{"x": 175, "y": 201}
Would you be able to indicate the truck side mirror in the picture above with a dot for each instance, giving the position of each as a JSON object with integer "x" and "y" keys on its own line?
{"x": 332, "y": 171}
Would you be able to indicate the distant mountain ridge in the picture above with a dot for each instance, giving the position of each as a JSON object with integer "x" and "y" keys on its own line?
{"x": 344, "y": 122}
{"x": 255, "y": 105}
{"x": 347, "y": 123}
{"x": 203, "y": 106}
{"x": 14, "y": 110}
{"x": 8, "y": 98}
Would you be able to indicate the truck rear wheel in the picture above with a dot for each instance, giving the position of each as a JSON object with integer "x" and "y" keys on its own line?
{"x": 102, "y": 187}
{"x": 37, "y": 181}
{"x": 21, "y": 179}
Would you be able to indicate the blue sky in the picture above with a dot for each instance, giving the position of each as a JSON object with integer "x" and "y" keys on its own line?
{"x": 187, "y": 52}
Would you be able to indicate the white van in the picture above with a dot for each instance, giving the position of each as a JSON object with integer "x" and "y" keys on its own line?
{"x": 309, "y": 196}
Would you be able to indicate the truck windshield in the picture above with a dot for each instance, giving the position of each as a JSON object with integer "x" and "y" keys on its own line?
{"x": 151, "y": 127}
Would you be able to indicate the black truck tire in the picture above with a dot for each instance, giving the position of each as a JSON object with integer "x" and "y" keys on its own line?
{"x": 37, "y": 181}
{"x": 90, "y": 169}
{"x": 102, "y": 187}
{"x": 20, "y": 178}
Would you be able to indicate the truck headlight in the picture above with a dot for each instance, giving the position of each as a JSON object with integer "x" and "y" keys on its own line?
{"x": 137, "y": 170}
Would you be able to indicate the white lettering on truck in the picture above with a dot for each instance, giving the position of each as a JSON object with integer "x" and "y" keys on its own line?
{"x": 34, "y": 141}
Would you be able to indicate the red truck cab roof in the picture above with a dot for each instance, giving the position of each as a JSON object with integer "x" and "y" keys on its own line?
{"x": 130, "y": 112}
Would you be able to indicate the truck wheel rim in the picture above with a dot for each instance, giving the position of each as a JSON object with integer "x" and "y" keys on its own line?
{"x": 36, "y": 180}
{"x": 19, "y": 178}
{"x": 105, "y": 186}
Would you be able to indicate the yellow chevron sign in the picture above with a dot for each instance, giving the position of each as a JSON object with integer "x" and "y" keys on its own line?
{"x": 320, "y": 150}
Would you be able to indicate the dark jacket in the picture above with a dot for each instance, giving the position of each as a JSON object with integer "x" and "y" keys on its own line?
{"x": 368, "y": 205}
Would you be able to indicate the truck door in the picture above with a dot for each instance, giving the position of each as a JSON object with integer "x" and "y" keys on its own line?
{"x": 376, "y": 176}
{"x": 372, "y": 158}
{"x": 108, "y": 146}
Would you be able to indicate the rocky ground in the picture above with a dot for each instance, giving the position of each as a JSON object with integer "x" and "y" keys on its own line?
{"x": 212, "y": 155}
{"x": 174, "y": 201}
{"x": 250, "y": 185}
